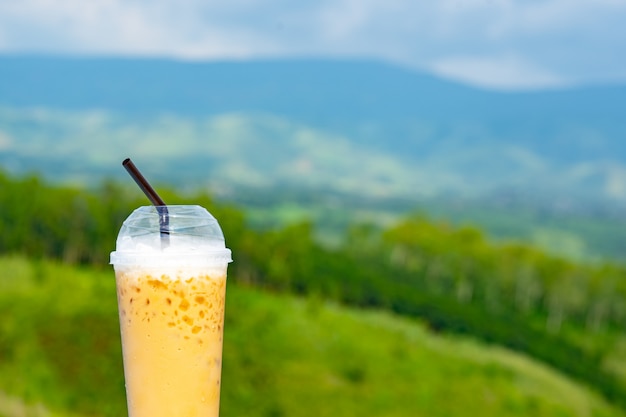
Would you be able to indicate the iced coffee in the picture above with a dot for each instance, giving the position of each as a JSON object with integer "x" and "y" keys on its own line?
{"x": 171, "y": 307}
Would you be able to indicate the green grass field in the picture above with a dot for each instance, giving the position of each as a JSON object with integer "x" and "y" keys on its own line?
{"x": 283, "y": 356}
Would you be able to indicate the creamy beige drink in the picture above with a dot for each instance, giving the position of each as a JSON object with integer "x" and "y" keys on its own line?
{"x": 172, "y": 326}
{"x": 171, "y": 308}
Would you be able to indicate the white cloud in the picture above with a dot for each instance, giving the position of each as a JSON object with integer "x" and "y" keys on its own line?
{"x": 125, "y": 27}
{"x": 504, "y": 72}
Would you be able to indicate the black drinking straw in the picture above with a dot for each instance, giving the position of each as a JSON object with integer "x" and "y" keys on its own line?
{"x": 164, "y": 217}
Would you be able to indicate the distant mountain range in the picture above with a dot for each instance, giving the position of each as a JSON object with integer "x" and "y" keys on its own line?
{"x": 359, "y": 127}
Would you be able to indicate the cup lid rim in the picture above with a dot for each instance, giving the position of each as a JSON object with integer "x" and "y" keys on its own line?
{"x": 203, "y": 257}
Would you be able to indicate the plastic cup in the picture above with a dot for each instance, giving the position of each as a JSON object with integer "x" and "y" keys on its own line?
{"x": 171, "y": 306}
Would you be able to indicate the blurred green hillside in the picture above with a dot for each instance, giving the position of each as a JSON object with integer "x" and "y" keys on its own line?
{"x": 567, "y": 315}
{"x": 283, "y": 356}
{"x": 279, "y": 169}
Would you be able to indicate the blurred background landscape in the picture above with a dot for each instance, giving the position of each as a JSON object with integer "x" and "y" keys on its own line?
{"x": 425, "y": 203}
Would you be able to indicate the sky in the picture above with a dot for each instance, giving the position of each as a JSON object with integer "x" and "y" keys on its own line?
{"x": 497, "y": 44}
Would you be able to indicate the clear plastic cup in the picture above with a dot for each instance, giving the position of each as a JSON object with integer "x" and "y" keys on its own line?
{"x": 171, "y": 306}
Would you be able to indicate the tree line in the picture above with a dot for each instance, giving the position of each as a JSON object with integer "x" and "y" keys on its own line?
{"x": 565, "y": 313}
